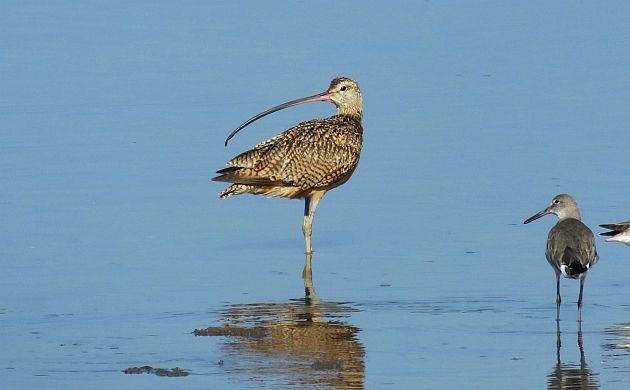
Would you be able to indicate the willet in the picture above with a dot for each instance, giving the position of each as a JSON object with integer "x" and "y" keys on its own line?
{"x": 570, "y": 244}
{"x": 619, "y": 232}
{"x": 304, "y": 161}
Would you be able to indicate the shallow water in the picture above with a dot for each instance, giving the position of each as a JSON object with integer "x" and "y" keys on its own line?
{"x": 114, "y": 248}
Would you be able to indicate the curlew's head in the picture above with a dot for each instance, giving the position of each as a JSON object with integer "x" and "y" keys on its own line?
{"x": 563, "y": 205}
{"x": 346, "y": 95}
{"x": 343, "y": 92}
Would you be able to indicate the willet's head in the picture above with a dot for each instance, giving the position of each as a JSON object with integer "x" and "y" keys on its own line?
{"x": 563, "y": 205}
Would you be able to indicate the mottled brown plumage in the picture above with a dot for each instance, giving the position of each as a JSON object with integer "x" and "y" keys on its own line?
{"x": 304, "y": 161}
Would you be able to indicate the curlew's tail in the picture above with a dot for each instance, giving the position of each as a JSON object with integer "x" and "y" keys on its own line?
{"x": 234, "y": 189}
{"x": 246, "y": 182}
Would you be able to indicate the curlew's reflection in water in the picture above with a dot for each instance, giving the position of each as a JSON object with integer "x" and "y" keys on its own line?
{"x": 571, "y": 375}
{"x": 300, "y": 343}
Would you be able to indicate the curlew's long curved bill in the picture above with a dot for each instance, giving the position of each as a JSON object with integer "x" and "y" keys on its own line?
{"x": 538, "y": 215}
{"x": 320, "y": 97}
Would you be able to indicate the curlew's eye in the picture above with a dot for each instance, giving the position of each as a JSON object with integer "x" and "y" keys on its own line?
{"x": 343, "y": 88}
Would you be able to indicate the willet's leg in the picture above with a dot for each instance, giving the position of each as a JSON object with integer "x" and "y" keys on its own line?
{"x": 581, "y": 346}
{"x": 310, "y": 205}
{"x": 558, "y": 299}
{"x": 580, "y": 299}
{"x": 558, "y": 341}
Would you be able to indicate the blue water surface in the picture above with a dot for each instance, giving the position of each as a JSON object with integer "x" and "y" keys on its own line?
{"x": 114, "y": 247}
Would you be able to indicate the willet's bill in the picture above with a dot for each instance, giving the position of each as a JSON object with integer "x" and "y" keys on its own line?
{"x": 619, "y": 232}
{"x": 304, "y": 161}
{"x": 570, "y": 244}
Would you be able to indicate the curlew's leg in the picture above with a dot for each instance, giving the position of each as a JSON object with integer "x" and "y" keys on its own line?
{"x": 307, "y": 275}
{"x": 580, "y": 299}
{"x": 310, "y": 205}
{"x": 307, "y": 225}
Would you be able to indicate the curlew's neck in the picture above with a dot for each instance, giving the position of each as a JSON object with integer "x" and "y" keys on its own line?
{"x": 354, "y": 110}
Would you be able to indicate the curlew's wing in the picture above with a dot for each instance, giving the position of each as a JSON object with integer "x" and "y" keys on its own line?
{"x": 312, "y": 154}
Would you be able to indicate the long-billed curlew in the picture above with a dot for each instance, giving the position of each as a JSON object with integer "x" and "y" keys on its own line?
{"x": 304, "y": 161}
{"x": 619, "y": 232}
{"x": 570, "y": 244}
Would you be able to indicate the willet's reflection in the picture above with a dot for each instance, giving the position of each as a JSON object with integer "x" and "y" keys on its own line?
{"x": 302, "y": 342}
{"x": 622, "y": 335}
{"x": 571, "y": 375}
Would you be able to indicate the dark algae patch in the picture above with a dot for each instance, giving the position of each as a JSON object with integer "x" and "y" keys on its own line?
{"x": 256, "y": 332}
{"x": 173, "y": 372}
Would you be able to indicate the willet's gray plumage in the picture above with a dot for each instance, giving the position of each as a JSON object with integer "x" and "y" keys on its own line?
{"x": 304, "y": 161}
{"x": 619, "y": 232}
{"x": 570, "y": 244}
